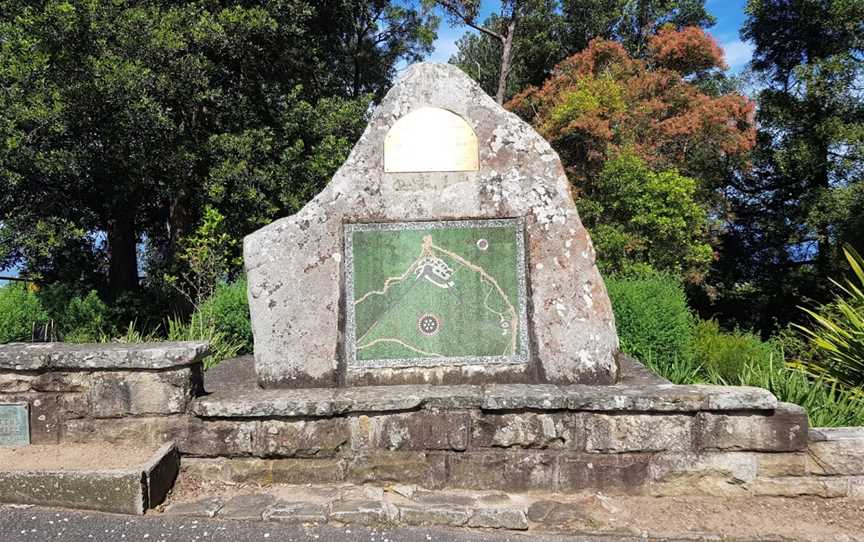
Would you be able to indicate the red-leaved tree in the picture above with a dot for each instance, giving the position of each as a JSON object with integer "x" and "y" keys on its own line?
{"x": 648, "y": 145}
{"x": 602, "y": 100}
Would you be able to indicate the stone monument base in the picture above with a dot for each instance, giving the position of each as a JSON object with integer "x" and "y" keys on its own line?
{"x": 637, "y": 437}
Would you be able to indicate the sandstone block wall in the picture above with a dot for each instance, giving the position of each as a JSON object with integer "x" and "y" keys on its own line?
{"x": 68, "y": 386}
{"x": 644, "y": 438}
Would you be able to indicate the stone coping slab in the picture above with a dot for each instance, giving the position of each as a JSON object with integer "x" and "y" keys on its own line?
{"x": 824, "y": 434}
{"x": 115, "y": 356}
{"x": 131, "y": 488}
{"x": 326, "y": 402}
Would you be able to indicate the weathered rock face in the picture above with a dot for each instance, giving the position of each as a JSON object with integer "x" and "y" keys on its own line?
{"x": 295, "y": 265}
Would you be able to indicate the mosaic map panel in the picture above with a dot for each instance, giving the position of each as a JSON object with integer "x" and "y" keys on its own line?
{"x": 430, "y": 293}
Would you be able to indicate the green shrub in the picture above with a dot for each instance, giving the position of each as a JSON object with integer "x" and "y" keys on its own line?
{"x": 85, "y": 319}
{"x": 725, "y": 355}
{"x": 79, "y": 317}
{"x": 227, "y": 312}
{"x": 654, "y": 323}
{"x": 20, "y": 308}
{"x": 796, "y": 347}
{"x": 655, "y": 326}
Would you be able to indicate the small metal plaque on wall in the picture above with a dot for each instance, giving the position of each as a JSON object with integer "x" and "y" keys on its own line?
{"x": 14, "y": 424}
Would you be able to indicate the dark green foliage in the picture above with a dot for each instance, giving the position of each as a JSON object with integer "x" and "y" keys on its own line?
{"x": 359, "y": 43}
{"x": 652, "y": 317}
{"x": 77, "y": 316}
{"x": 227, "y": 312}
{"x": 537, "y": 47}
{"x": 120, "y": 122}
{"x": 724, "y": 356}
{"x": 260, "y": 173}
{"x": 791, "y": 214}
{"x": 85, "y": 319}
{"x": 20, "y": 308}
{"x": 554, "y": 30}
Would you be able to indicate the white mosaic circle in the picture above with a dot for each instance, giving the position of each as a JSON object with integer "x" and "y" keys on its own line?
{"x": 482, "y": 244}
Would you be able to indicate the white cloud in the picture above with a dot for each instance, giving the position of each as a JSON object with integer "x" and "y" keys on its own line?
{"x": 738, "y": 53}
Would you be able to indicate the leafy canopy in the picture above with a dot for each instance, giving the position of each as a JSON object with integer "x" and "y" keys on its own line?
{"x": 551, "y": 30}
{"x": 644, "y": 145}
{"x": 121, "y": 121}
{"x": 804, "y": 197}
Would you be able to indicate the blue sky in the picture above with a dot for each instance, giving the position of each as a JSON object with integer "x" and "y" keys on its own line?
{"x": 729, "y": 14}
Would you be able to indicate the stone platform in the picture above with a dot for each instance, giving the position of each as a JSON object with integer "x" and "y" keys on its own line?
{"x": 639, "y": 437}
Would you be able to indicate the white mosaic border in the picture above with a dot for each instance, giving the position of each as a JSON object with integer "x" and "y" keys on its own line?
{"x": 521, "y": 357}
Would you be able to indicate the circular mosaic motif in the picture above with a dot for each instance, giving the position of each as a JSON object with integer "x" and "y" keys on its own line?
{"x": 428, "y": 325}
{"x": 482, "y": 244}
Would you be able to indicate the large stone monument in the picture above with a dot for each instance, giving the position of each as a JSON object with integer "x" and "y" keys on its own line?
{"x": 447, "y": 249}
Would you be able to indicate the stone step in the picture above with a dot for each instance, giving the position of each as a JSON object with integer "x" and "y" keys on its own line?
{"x": 122, "y": 479}
{"x": 327, "y": 402}
{"x": 363, "y": 505}
{"x": 388, "y": 510}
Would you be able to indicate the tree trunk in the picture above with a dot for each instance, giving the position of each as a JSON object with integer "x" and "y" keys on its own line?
{"x": 822, "y": 180}
{"x": 643, "y": 26}
{"x": 506, "y": 53}
{"x": 123, "y": 257}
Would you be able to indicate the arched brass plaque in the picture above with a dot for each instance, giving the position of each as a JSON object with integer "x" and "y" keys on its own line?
{"x": 431, "y": 139}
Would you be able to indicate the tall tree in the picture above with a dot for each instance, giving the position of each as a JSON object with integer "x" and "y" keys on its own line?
{"x": 536, "y": 47}
{"x": 363, "y": 41}
{"x": 557, "y": 29}
{"x": 640, "y": 131}
{"x": 805, "y": 194}
{"x": 502, "y": 28}
{"x": 119, "y": 121}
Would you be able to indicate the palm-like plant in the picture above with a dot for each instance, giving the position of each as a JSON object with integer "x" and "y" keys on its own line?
{"x": 838, "y": 329}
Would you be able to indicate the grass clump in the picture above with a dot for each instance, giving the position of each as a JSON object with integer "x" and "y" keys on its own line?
{"x": 222, "y": 345}
{"x": 837, "y": 329}
{"x": 725, "y": 355}
{"x": 222, "y": 320}
{"x": 227, "y": 312}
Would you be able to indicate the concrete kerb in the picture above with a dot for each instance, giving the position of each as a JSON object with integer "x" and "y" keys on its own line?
{"x": 129, "y": 490}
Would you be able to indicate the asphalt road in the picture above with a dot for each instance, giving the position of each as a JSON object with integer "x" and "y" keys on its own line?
{"x": 32, "y": 524}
